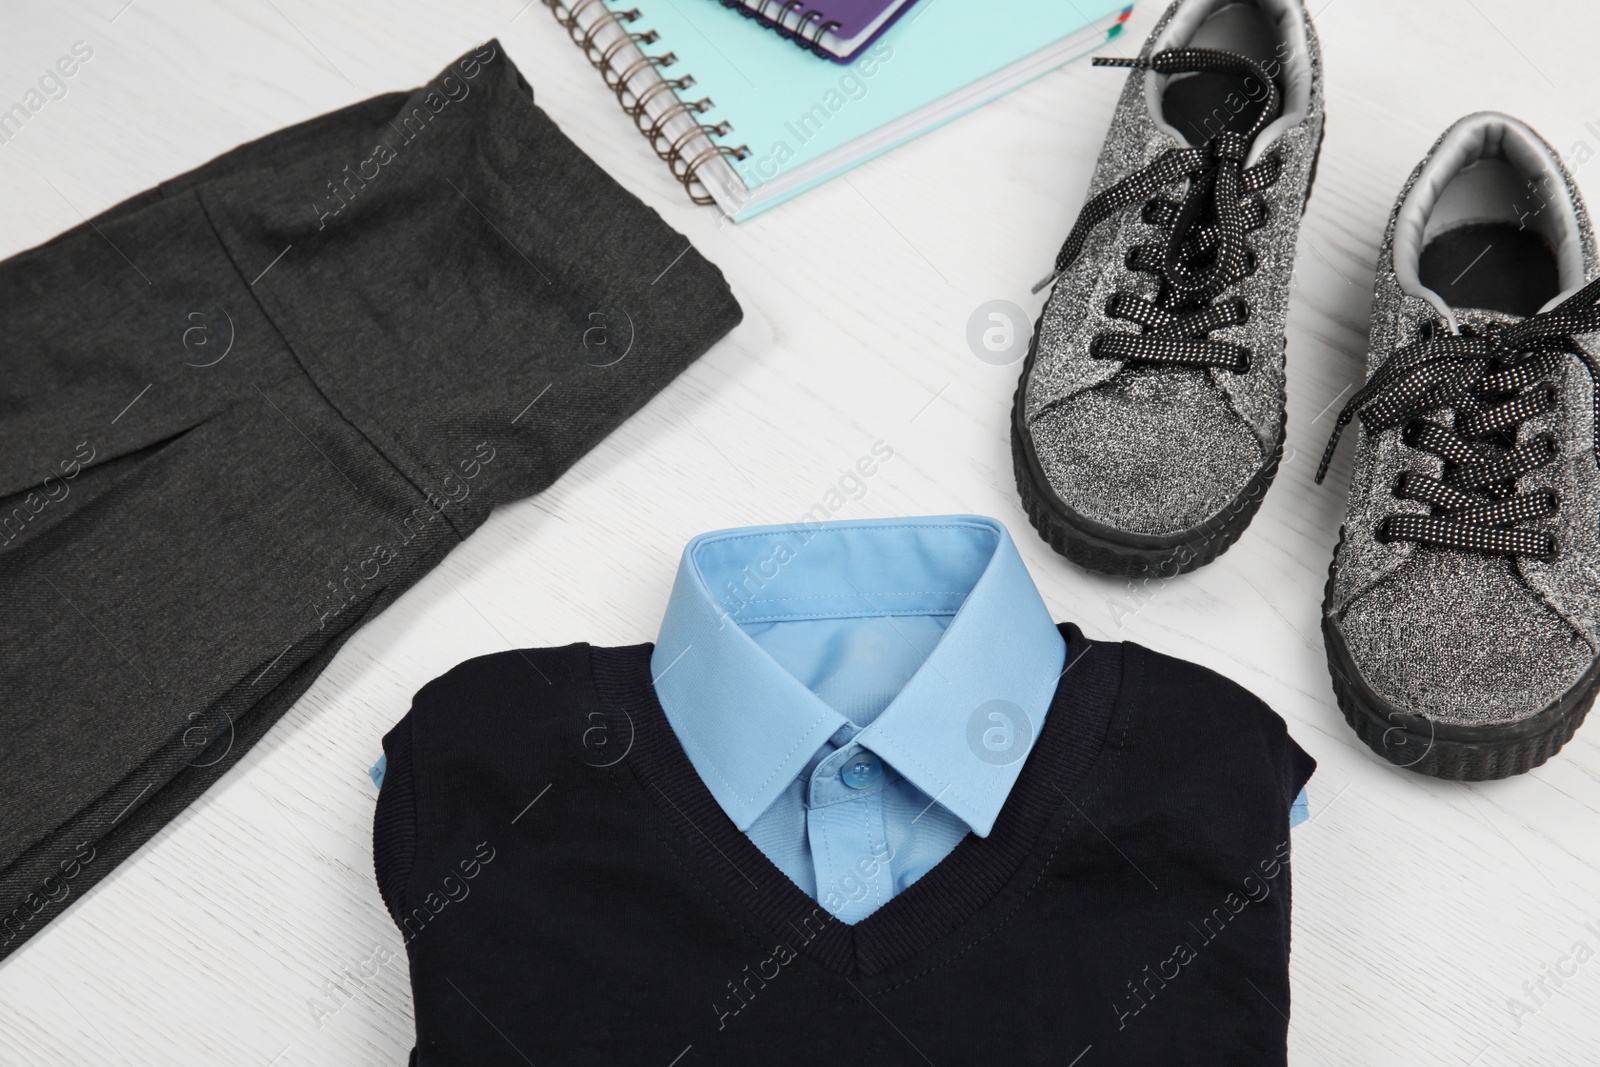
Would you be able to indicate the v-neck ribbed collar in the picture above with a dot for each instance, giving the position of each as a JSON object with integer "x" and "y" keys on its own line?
{"x": 936, "y": 906}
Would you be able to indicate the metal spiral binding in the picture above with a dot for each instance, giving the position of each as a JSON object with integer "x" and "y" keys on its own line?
{"x": 807, "y": 34}
{"x": 684, "y": 165}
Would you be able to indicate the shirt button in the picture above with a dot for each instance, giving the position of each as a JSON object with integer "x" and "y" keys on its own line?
{"x": 861, "y": 771}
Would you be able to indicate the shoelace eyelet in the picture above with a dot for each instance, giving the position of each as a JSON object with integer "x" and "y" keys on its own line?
{"x": 1131, "y": 260}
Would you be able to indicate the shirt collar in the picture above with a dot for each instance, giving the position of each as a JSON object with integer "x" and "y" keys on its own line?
{"x": 959, "y": 729}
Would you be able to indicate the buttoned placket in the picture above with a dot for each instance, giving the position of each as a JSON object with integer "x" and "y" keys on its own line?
{"x": 845, "y": 823}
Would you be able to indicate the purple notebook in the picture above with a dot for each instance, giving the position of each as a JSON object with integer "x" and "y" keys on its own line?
{"x": 833, "y": 29}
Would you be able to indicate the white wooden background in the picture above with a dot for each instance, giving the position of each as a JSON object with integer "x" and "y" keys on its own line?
{"x": 1421, "y": 907}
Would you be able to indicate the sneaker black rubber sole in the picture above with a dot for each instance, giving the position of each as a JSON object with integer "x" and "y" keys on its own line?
{"x": 1117, "y": 552}
{"x": 1459, "y": 753}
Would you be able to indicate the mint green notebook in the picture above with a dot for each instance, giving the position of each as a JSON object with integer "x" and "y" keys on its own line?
{"x": 747, "y": 120}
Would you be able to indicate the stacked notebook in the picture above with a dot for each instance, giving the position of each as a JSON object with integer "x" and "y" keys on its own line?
{"x": 835, "y": 31}
{"x": 746, "y": 120}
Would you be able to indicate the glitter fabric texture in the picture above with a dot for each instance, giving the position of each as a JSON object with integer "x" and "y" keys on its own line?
{"x": 1458, "y": 637}
{"x": 1163, "y": 450}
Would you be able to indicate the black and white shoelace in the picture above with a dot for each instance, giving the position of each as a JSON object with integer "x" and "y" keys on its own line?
{"x": 1491, "y": 381}
{"x": 1206, "y": 250}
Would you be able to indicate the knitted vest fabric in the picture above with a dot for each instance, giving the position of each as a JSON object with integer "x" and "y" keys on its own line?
{"x": 570, "y": 893}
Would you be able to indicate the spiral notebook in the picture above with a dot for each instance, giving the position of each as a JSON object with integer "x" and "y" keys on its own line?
{"x": 745, "y": 120}
{"x": 833, "y": 29}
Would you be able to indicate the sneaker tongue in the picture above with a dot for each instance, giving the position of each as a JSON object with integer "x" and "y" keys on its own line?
{"x": 1268, "y": 119}
{"x": 1483, "y": 316}
{"x": 1471, "y": 316}
{"x": 1419, "y": 309}
{"x": 1199, "y": 106}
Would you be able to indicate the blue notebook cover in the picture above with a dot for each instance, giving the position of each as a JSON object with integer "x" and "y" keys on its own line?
{"x": 795, "y": 121}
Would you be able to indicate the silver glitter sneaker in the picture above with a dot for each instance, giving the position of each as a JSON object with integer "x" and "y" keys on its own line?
{"x": 1148, "y": 422}
{"x": 1461, "y": 611}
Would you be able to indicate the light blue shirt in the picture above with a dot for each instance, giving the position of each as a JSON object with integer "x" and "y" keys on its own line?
{"x": 857, "y": 696}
